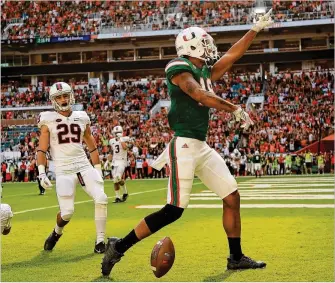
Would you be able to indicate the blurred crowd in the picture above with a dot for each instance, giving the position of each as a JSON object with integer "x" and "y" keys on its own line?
{"x": 30, "y": 19}
{"x": 298, "y": 110}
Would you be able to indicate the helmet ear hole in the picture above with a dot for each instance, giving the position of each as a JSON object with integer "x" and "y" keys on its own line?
{"x": 193, "y": 48}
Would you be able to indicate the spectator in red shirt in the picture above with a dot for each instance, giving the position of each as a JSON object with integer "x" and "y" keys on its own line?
{"x": 3, "y": 171}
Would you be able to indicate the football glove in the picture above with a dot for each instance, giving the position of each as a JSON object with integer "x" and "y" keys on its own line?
{"x": 44, "y": 180}
{"x": 241, "y": 115}
{"x": 263, "y": 22}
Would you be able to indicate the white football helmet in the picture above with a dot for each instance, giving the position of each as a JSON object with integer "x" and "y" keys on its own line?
{"x": 57, "y": 89}
{"x": 196, "y": 42}
{"x": 117, "y": 131}
{"x": 236, "y": 151}
{"x": 256, "y": 152}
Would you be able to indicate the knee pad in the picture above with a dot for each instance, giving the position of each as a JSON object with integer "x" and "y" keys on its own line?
{"x": 116, "y": 179}
{"x": 168, "y": 214}
{"x": 67, "y": 215}
{"x": 101, "y": 199}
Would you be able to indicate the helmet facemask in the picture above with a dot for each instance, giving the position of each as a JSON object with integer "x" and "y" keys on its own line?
{"x": 210, "y": 50}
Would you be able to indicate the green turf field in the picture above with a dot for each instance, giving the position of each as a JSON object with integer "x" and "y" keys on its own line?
{"x": 296, "y": 242}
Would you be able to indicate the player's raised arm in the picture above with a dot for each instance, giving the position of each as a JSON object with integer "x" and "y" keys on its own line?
{"x": 92, "y": 148}
{"x": 240, "y": 47}
{"x": 43, "y": 146}
{"x": 191, "y": 87}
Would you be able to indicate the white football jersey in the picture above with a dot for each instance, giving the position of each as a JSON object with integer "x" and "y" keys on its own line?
{"x": 235, "y": 157}
{"x": 118, "y": 152}
{"x": 66, "y": 137}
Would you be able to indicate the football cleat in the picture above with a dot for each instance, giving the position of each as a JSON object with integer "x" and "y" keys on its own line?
{"x": 124, "y": 197}
{"x": 51, "y": 241}
{"x": 117, "y": 200}
{"x": 244, "y": 263}
{"x": 99, "y": 248}
{"x": 111, "y": 257}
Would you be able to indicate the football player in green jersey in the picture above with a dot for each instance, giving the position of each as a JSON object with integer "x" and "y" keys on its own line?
{"x": 189, "y": 80}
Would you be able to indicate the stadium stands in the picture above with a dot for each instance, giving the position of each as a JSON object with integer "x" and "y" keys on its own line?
{"x": 25, "y": 19}
{"x": 298, "y": 110}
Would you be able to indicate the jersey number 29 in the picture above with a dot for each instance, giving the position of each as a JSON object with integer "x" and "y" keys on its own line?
{"x": 64, "y": 131}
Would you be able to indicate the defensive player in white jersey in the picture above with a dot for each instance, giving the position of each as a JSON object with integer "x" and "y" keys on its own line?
{"x": 119, "y": 145}
{"x": 236, "y": 158}
{"x": 64, "y": 131}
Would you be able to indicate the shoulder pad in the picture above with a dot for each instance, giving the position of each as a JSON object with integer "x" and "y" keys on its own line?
{"x": 177, "y": 66}
{"x": 44, "y": 118}
{"x": 124, "y": 139}
{"x": 84, "y": 117}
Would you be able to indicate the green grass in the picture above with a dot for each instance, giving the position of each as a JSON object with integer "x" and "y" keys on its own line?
{"x": 296, "y": 243}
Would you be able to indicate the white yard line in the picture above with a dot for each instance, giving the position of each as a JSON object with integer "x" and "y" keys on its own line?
{"x": 9, "y": 196}
{"x": 85, "y": 201}
{"x": 280, "y": 191}
{"x": 243, "y": 186}
{"x": 263, "y": 205}
{"x": 296, "y": 180}
{"x": 274, "y": 197}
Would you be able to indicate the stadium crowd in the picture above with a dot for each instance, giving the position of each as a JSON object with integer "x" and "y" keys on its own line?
{"x": 30, "y": 19}
{"x": 298, "y": 110}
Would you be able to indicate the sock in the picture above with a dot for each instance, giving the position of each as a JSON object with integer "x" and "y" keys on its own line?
{"x": 124, "y": 189}
{"x": 235, "y": 248}
{"x": 117, "y": 194}
{"x": 100, "y": 221}
{"x": 127, "y": 242}
{"x": 59, "y": 230}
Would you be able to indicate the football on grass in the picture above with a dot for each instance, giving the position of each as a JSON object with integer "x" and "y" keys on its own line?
{"x": 162, "y": 257}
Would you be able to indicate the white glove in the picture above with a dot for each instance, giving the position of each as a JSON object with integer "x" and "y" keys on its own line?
{"x": 263, "y": 22}
{"x": 240, "y": 114}
{"x": 98, "y": 168}
{"x": 44, "y": 180}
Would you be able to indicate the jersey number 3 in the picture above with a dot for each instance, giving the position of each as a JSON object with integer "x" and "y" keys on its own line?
{"x": 117, "y": 148}
{"x": 65, "y": 129}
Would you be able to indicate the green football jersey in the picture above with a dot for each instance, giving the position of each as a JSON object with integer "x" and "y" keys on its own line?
{"x": 186, "y": 117}
{"x": 256, "y": 158}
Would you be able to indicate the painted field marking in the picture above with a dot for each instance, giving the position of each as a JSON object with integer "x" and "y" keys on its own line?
{"x": 281, "y": 191}
{"x": 90, "y": 200}
{"x": 262, "y": 205}
{"x": 243, "y": 186}
{"x": 277, "y": 181}
{"x": 274, "y": 197}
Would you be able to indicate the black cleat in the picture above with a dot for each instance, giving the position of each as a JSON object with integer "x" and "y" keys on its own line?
{"x": 117, "y": 200}
{"x": 124, "y": 197}
{"x": 244, "y": 263}
{"x": 111, "y": 257}
{"x": 99, "y": 248}
{"x": 51, "y": 241}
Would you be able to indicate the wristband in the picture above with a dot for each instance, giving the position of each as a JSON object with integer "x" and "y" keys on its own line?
{"x": 41, "y": 169}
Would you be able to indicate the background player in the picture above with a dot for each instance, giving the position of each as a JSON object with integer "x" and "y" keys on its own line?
{"x": 189, "y": 80}
{"x": 236, "y": 159}
{"x": 119, "y": 145}
{"x": 256, "y": 160}
{"x": 64, "y": 131}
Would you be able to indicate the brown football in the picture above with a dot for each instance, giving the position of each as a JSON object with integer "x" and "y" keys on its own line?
{"x": 162, "y": 257}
